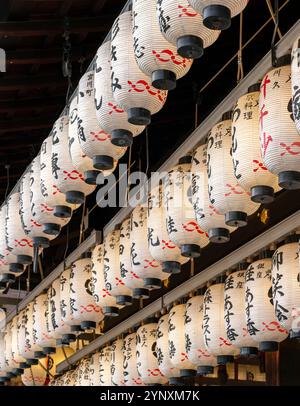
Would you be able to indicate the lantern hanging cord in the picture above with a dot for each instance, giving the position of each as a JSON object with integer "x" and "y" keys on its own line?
{"x": 65, "y": 355}
{"x": 67, "y": 243}
{"x": 67, "y": 62}
{"x": 81, "y": 232}
{"x": 46, "y": 369}
{"x": 273, "y": 45}
{"x": 32, "y": 377}
{"x": 273, "y": 17}
{"x": 240, "y": 72}
{"x": 35, "y": 258}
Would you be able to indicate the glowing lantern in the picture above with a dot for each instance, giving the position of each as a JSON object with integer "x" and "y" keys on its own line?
{"x": 105, "y": 362}
{"x": 65, "y": 305}
{"x": 295, "y": 69}
{"x": 95, "y": 369}
{"x": 84, "y": 372}
{"x": 3, "y": 369}
{"x": 131, "y": 375}
{"x": 41, "y": 325}
{"x": 36, "y": 375}
{"x": 117, "y": 363}
{"x": 19, "y": 363}
{"x": 9, "y": 362}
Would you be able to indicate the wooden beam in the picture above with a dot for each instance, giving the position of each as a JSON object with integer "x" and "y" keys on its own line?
{"x": 25, "y": 124}
{"x": 21, "y": 106}
{"x": 17, "y": 82}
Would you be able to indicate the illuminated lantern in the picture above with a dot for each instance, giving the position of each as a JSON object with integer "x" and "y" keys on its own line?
{"x": 279, "y": 139}
{"x": 112, "y": 272}
{"x": 155, "y": 56}
{"x": 217, "y": 14}
{"x": 19, "y": 363}
{"x": 225, "y": 193}
{"x": 131, "y": 88}
{"x": 2, "y": 319}
{"x": 131, "y": 375}
{"x": 207, "y": 217}
{"x": 177, "y": 346}
{"x": 68, "y": 179}
{"x": 142, "y": 263}
{"x": 102, "y": 295}
{"x": 194, "y": 340}
{"x": 94, "y": 141}
{"x": 117, "y": 363}
{"x": 295, "y": 69}
{"x": 105, "y": 362}
{"x": 3, "y": 370}
{"x": 84, "y": 372}
{"x": 95, "y": 369}
{"x": 82, "y": 302}
{"x": 111, "y": 117}
{"x": 234, "y": 316}
{"x": 36, "y": 375}
{"x": 162, "y": 351}
{"x": 130, "y": 278}
{"x": 160, "y": 246}
{"x": 65, "y": 305}
{"x": 146, "y": 356}
{"x": 250, "y": 172}
{"x": 214, "y": 329}
{"x": 286, "y": 286}
{"x": 182, "y": 227}
{"x": 183, "y": 27}
{"x": 41, "y": 325}
{"x": 68, "y": 378}
{"x": 262, "y": 324}
{"x": 60, "y": 356}
{"x": 9, "y": 362}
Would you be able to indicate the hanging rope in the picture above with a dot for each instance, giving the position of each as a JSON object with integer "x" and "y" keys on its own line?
{"x": 192, "y": 271}
{"x": 82, "y": 222}
{"x": 240, "y": 72}
{"x": 32, "y": 377}
{"x": 28, "y": 280}
{"x": 35, "y": 258}
{"x": 273, "y": 46}
{"x": 65, "y": 355}
{"x": 147, "y": 150}
{"x": 46, "y": 369}
{"x": 67, "y": 243}
{"x": 273, "y": 17}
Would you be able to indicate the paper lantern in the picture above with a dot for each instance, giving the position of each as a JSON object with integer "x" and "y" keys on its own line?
{"x": 262, "y": 324}
{"x": 207, "y": 217}
{"x": 84, "y": 372}
{"x": 3, "y": 374}
{"x": 9, "y": 362}
{"x": 286, "y": 287}
{"x": 69, "y": 379}
{"x": 155, "y": 56}
{"x": 217, "y": 14}
{"x": 162, "y": 351}
{"x": 177, "y": 347}
{"x": 117, "y": 363}
{"x": 234, "y": 316}
{"x": 2, "y": 319}
{"x": 132, "y": 89}
{"x": 105, "y": 362}
{"x": 279, "y": 139}
{"x": 19, "y": 363}
{"x": 142, "y": 263}
{"x": 214, "y": 329}
{"x": 194, "y": 341}
{"x": 131, "y": 375}
{"x": 182, "y": 227}
{"x": 68, "y": 179}
{"x": 295, "y": 70}
{"x": 95, "y": 369}
{"x": 183, "y": 27}
{"x": 111, "y": 117}
{"x": 249, "y": 170}
{"x": 225, "y": 193}
{"x": 160, "y": 246}
{"x": 130, "y": 278}
{"x": 101, "y": 293}
{"x": 94, "y": 141}
{"x": 43, "y": 335}
{"x": 67, "y": 315}
{"x": 36, "y": 375}
{"x": 82, "y": 302}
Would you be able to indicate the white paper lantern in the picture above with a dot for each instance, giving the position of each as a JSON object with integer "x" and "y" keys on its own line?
{"x": 43, "y": 335}
{"x": 19, "y": 362}
{"x": 155, "y": 56}
{"x": 111, "y": 117}
{"x": 279, "y": 139}
{"x": 142, "y": 263}
{"x": 95, "y": 369}
{"x": 217, "y": 14}
{"x": 183, "y": 27}
{"x": 84, "y": 372}
{"x": 286, "y": 286}
{"x": 249, "y": 170}
{"x": 131, "y": 376}
{"x": 101, "y": 293}
{"x": 117, "y": 363}
{"x": 132, "y": 89}
{"x": 207, "y": 217}
{"x": 27, "y": 348}
{"x": 194, "y": 340}
{"x": 65, "y": 306}
{"x": 36, "y": 375}
{"x": 2, "y": 319}
{"x": 3, "y": 373}
{"x": 94, "y": 141}
{"x": 105, "y": 362}
{"x": 226, "y": 194}
{"x": 295, "y": 70}
{"x": 262, "y": 324}
{"x": 9, "y": 362}
{"x": 214, "y": 329}
{"x": 160, "y": 246}
{"x": 234, "y": 314}
{"x": 68, "y": 179}
{"x": 182, "y": 227}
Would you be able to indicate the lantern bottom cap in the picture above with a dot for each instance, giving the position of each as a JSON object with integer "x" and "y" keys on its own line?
{"x": 248, "y": 352}
{"x": 49, "y": 350}
{"x": 24, "y": 259}
{"x": 225, "y": 359}
{"x": 262, "y": 194}
{"x": 32, "y": 361}
{"x": 88, "y": 325}
{"x": 7, "y": 278}
{"x": 219, "y": 235}
{"x": 39, "y": 354}
{"x": 268, "y": 346}
{"x": 140, "y": 293}
{"x": 76, "y": 328}
{"x": 190, "y": 46}
{"x": 17, "y": 371}
{"x": 139, "y": 116}
{"x": 187, "y": 373}
{"x": 10, "y": 375}
{"x": 3, "y": 379}
{"x": 152, "y": 283}
{"x": 121, "y": 138}
{"x": 24, "y": 365}
{"x": 90, "y": 177}
{"x": 171, "y": 267}
{"x": 51, "y": 228}
{"x": 41, "y": 242}
{"x": 68, "y": 338}
{"x": 75, "y": 197}
{"x": 103, "y": 162}
{"x": 62, "y": 211}
{"x": 294, "y": 334}
{"x": 164, "y": 79}
{"x": 205, "y": 370}
{"x": 236, "y": 219}
{"x": 124, "y": 300}
{"x": 190, "y": 250}
{"x": 289, "y": 180}
{"x": 217, "y": 17}
{"x": 111, "y": 311}
{"x": 16, "y": 268}
{"x": 176, "y": 380}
